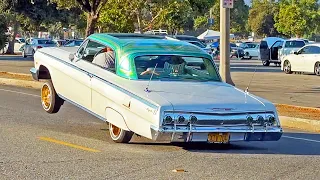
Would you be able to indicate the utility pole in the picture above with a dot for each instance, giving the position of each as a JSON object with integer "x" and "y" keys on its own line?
{"x": 224, "y": 69}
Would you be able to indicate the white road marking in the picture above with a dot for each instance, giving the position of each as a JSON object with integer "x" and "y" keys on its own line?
{"x": 303, "y": 139}
{"x": 6, "y": 90}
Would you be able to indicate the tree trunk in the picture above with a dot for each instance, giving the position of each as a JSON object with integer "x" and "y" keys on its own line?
{"x": 13, "y": 37}
{"x": 92, "y": 19}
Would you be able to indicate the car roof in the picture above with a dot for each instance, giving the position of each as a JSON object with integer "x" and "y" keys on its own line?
{"x": 144, "y": 44}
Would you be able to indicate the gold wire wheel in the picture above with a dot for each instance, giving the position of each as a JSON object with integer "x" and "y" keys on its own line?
{"x": 115, "y": 130}
{"x": 46, "y": 96}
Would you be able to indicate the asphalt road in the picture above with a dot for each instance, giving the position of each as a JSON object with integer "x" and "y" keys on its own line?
{"x": 34, "y": 145}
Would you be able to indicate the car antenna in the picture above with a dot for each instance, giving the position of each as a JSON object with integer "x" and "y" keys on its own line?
{"x": 147, "y": 88}
{"x": 247, "y": 89}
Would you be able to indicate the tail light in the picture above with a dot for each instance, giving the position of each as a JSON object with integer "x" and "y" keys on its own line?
{"x": 39, "y": 47}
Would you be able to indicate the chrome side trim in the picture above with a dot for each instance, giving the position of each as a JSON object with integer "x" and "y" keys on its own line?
{"x": 105, "y": 81}
{"x": 83, "y": 108}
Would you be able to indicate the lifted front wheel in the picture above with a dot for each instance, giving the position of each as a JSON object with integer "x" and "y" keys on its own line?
{"x": 50, "y": 101}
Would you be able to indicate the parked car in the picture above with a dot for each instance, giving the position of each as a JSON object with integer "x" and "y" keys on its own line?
{"x": 306, "y": 59}
{"x": 19, "y": 44}
{"x": 73, "y": 42}
{"x": 192, "y": 40}
{"x": 251, "y": 50}
{"x": 236, "y": 51}
{"x": 60, "y": 42}
{"x": 159, "y": 89}
{"x": 33, "y": 44}
{"x": 275, "y": 49}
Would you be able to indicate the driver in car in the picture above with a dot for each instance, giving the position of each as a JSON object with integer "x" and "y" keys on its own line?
{"x": 105, "y": 59}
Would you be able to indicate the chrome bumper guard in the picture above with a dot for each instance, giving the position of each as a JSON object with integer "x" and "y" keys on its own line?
{"x": 200, "y": 134}
{"x": 35, "y": 73}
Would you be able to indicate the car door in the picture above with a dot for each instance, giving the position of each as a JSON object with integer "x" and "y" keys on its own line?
{"x": 311, "y": 58}
{"x": 264, "y": 51}
{"x": 85, "y": 55}
{"x": 29, "y": 47}
{"x": 297, "y": 62}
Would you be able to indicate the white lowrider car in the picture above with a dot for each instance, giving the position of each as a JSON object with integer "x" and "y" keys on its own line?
{"x": 159, "y": 89}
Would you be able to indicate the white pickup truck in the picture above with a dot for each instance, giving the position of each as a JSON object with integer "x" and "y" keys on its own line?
{"x": 158, "y": 88}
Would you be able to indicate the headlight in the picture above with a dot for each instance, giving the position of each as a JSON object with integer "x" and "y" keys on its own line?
{"x": 181, "y": 119}
{"x": 193, "y": 119}
{"x": 271, "y": 120}
{"x": 260, "y": 120}
{"x": 168, "y": 120}
{"x": 249, "y": 120}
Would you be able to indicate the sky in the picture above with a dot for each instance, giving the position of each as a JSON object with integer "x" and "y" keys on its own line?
{"x": 247, "y": 1}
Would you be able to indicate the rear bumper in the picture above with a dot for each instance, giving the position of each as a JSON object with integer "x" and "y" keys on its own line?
{"x": 201, "y": 134}
{"x": 35, "y": 73}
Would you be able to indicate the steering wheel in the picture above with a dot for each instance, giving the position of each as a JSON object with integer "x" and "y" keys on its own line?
{"x": 100, "y": 51}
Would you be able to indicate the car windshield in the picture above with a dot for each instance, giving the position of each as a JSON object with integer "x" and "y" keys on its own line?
{"x": 198, "y": 44}
{"x": 252, "y": 45}
{"x": 22, "y": 40}
{"x": 176, "y": 68}
{"x": 46, "y": 42}
{"x": 294, "y": 44}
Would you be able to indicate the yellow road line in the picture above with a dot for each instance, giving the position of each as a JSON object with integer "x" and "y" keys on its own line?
{"x": 68, "y": 144}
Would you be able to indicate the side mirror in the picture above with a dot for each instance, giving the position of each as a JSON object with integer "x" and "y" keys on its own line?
{"x": 295, "y": 52}
{"x": 71, "y": 57}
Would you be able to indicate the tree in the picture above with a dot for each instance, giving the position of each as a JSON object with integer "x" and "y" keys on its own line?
{"x": 238, "y": 16}
{"x": 31, "y": 15}
{"x": 116, "y": 16}
{"x": 297, "y": 17}
{"x": 3, "y": 30}
{"x": 261, "y": 17}
{"x": 92, "y": 8}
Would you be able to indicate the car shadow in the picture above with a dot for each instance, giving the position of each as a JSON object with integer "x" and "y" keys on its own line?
{"x": 289, "y": 144}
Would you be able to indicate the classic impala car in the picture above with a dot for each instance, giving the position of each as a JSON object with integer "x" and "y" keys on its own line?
{"x": 158, "y": 88}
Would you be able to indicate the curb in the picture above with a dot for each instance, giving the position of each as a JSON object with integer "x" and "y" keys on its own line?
{"x": 290, "y": 122}
{"x": 298, "y": 123}
{"x": 21, "y": 83}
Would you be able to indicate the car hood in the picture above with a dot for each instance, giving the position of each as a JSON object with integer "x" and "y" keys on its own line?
{"x": 199, "y": 96}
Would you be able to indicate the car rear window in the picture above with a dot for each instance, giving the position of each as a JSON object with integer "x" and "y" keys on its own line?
{"x": 294, "y": 44}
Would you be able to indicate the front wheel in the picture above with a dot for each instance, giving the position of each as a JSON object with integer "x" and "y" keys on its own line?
{"x": 265, "y": 63}
{"x": 50, "y": 101}
{"x": 119, "y": 135}
{"x": 287, "y": 67}
{"x": 317, "y": 68}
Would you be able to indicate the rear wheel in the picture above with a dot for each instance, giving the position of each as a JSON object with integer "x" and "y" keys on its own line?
{"x": 287, "y": 67}
{"x": 265, "y": 63}
{"x": 317, "y": 68}
{"x": 119, "y": 135}
{"x": 50, "y": 101}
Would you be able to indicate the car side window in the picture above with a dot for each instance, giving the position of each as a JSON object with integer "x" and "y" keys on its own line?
{"x": 305, "y": 50}
{"x": 91, "y": 49}
{"x": 314, "y": 50}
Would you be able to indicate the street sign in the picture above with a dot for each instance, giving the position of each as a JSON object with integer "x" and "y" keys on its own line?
{"x": 210, "y": 21}
{"x": 227, "y": 3}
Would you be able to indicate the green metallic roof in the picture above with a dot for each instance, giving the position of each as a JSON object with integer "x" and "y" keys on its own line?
{"x": 126, "y": 44}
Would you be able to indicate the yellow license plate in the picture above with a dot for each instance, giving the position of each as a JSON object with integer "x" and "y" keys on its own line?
{"x": 218, "y": 137}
